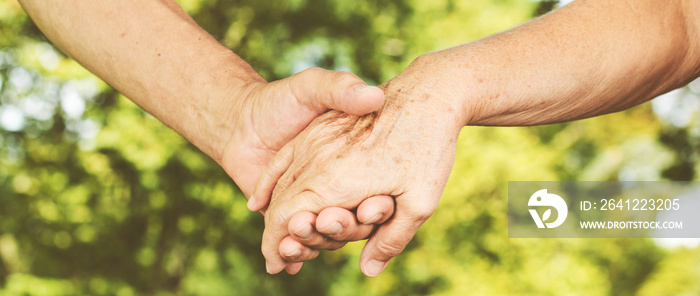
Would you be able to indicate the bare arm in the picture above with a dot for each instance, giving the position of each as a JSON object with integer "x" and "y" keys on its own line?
{"x": 157, "y": 56}
{"x": 589, "y": 58}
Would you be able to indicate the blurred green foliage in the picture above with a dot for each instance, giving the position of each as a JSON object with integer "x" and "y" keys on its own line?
{"x": 99, "y": 198}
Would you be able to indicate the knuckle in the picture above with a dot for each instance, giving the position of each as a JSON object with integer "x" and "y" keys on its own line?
{"x": 316, "y": 198}
{"x": 422, "y": 211}
{"x": 335, "y": 188}
{"x": 312, "y": 72}
{"x": 278, "y": 217}
{"x": 423, "y": 214}
{"x": 390, "y": 249}
{"x": 296, "y": 84}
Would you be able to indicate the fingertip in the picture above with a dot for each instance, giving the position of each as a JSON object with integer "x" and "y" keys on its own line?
{"x": 332, "y": 221}
{"x": 254, "y": 205}
{"x": 388, "y": 241}
{"x": 341, "y": 225}
{"x": 367, "y": 99}
{"x": 376, "y": 209}
{"x": 301, "y": 225}
{"x": 373, "y": 268}
{"x": 273, "y": 268}
{"x": 293, "y": 268}
{"x": 251, "y": 204}
{"x": 290, "y": 248}
{"x": 274, "y": 263}
{"x": 374, "y": 96}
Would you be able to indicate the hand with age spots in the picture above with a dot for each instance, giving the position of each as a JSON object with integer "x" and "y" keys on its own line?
{"x": 585, "y": 59}
{"x": 606, "y": 56}
{"x": 195, "y": 85}
{"x": 339, "y": 161}
{"x": 276, "y": 112}
{"x": 273, "y": 113}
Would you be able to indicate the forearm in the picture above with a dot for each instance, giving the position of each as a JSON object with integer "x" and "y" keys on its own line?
{"x": 585, "y": 59}
{"x": 157, "y": 56}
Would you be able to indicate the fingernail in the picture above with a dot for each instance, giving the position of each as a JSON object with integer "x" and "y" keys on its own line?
{"x": 250, "y": 203}
{"x": 306, "y": 232}
{"x": 295, "y": 254}
{"x": 374, "y": 268}
{"x": 362, "y": 87}
{"x": 374, "y": 219}
{"x": 334, "y": 229}
{"x": 267, "y": 267}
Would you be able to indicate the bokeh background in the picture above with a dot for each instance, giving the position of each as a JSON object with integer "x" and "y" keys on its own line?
{"x": 99, "y": 198}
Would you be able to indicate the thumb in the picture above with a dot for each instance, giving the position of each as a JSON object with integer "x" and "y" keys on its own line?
{"x": 392, "y": 237}
{"x": 321, "y": 90}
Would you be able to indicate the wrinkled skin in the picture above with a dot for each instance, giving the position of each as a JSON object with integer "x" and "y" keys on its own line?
{"x": 405, "y": 150}
{"x": 271, "y": 114}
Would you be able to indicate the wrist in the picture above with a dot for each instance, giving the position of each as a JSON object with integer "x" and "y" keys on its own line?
{"x": 465, "y": 79}
{"x": 230, "y": 112}
{"x": 218, "y": 104}
{"x": 435, "y": 84}
{"x": 413, "y": 99}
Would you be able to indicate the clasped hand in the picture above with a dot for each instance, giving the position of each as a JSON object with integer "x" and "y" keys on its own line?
{"x": 342, "y": 162}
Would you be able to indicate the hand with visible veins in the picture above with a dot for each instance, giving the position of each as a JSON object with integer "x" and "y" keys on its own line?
{"x": 588, "y": 58}
{"x": 271, "y": 114}
{"x": 340, "y": 160}
{"x": 160, "y": 59}
{"x": 163, "y": 61}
